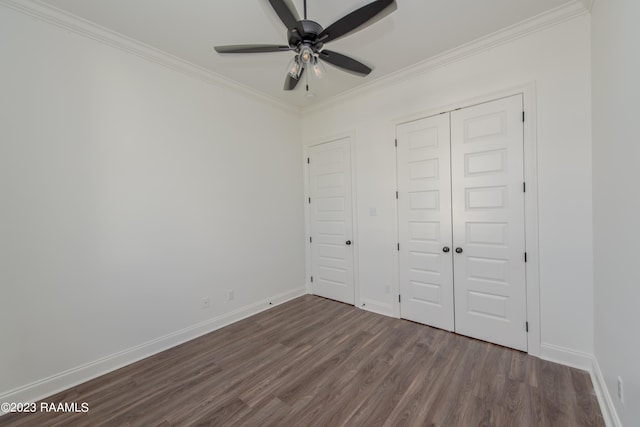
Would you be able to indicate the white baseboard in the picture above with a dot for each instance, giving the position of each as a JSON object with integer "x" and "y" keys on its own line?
{"x": 56, "y": 383}
{"x": 607, "y": 407}
{"x": 566, "y": 356}
{"x": 587, "y": 362}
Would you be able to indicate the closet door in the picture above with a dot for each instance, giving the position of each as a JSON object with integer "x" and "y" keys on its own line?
{"x": 488, "y": 222}
{"x": 424, "y": 215}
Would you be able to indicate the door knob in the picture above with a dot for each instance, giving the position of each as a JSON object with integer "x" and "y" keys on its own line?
{"x": 458, "y": 250}
{"x": 446, "y": 249}
{"x": 348, "y": 242}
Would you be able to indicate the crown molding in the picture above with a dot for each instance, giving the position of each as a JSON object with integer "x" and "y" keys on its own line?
{"x": 588, "y": 4}
{"x": 91, "y": 30}
{"x": 88, "y": 29}
{"x": 552, "y": 17}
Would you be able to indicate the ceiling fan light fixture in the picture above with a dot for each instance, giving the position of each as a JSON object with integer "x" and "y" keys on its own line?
{"x": 307, "y": 39}
{"x": 295, "y": 67}
{"x": 306, "y": 55}
{"x": 318, "y": 68}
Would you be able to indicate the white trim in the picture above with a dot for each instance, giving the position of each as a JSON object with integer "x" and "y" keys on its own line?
{"x": 307, "y": 220}
{"x": 376, "y": 307}
{"x": 354, "y": 220}
{"x": 588, "y": 4}
{"x": 91, "y": 30}
{"x": 607, "y": 407}
{"x": 397, "y": 306}
{"x": 85, "y": 28}
{"x": 41, "y": 389}
{"x": 566, "y": 356}
{"x": 532, "y": 266}
{"x": 566, "y": 12}
{"x": 587, "y": 362}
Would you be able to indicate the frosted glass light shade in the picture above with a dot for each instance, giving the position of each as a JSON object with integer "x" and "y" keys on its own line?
{"x": 306, "y": 55}
{"x": 318, "y": 68}
{"x": 295, "y": 67}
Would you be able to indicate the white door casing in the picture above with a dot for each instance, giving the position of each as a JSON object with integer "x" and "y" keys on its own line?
{"x": 488, "y": 222}
{"x": 331, "y": 221}
{"x": 424, "y": 221}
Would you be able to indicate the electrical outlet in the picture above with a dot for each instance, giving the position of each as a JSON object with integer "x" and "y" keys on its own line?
{"x": 206, "y": 302}
{"x": 387, "y": 289}
{"x": 231, "y": 295}
{"x": 620, "y": 390}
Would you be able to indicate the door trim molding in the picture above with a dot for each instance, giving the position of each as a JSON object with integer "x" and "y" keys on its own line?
{"x": 530, "y": 162}
{"x": 351, "y": 136}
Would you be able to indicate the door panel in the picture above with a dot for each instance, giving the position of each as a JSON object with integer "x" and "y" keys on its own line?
{"x": 488, "y": 222}
{"x": 424, "y": 215}
{"x": 331, "y": 220}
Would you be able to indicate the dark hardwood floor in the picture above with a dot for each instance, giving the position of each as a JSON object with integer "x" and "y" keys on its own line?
{"x": 316, "y": 362}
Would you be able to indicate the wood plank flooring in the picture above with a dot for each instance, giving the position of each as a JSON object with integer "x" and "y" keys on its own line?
{"x": 316, "y": 362}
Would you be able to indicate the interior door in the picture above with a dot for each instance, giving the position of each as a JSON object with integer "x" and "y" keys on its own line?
{"x": 424, "y": 218}
{"x": 331, "y": 220}
{"x": 488, "y": 222}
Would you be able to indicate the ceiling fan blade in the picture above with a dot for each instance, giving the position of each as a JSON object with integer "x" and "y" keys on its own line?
{"x": 344, "y": 62}
{"x": 251, "y": 48}
{"x": 356, "y": 19}
{"x": 290, "y": 83}
{"x": 287, "y": 13}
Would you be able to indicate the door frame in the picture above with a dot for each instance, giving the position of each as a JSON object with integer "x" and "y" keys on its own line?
{"x": 350, "y": 135}
{"x": 530, "y": 162}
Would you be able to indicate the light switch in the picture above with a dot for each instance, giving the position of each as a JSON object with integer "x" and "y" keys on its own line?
{"x": 373, "y": 212}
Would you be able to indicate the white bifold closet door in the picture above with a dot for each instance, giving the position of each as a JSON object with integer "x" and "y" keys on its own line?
{"x": 482, "y": 241}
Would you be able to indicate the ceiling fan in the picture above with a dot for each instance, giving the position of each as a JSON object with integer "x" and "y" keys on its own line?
{"x": 307, "y": 39}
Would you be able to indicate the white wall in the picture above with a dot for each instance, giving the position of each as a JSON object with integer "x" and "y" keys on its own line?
{"x": 558, "y": 60}
{"x": 616, "y": 150}
{"x": 128, "y": 192}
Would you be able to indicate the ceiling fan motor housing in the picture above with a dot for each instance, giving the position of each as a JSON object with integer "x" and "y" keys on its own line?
{"x": 307, "y": 34}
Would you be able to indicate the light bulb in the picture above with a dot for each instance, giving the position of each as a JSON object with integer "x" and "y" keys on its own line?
{"x": 306, "y": 55}
{"x": 295, "y": 68}
{"x": 318, "y": 68}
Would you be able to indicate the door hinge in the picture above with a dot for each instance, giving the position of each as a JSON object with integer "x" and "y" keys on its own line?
{"x": 309, "y": 199}
{"x": 398, "y": 246}
{"x": 396, "y": 195}
{"x": 526, "y": 326}
{"x": 396, "y": 142}
{"x": 308, "y": 160}
{"x": 311, "y": 279}
{"x": 525, "y": 257}
{"x": 523, "y": 117}
{"x": 310, "y": 239}
{"x": 524, "y": 187}
{"x": 399, "y": 298}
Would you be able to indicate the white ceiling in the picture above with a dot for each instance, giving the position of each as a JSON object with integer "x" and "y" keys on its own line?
{"x": 416, "y": 31}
